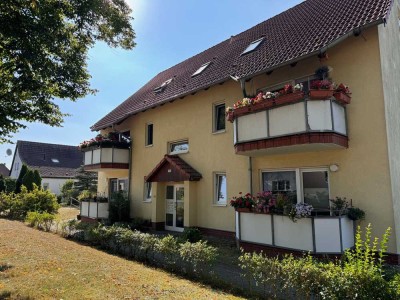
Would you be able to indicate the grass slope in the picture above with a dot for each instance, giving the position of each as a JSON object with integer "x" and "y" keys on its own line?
{"x": 39, "y": 265}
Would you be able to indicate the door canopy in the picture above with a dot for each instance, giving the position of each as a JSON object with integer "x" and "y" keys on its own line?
{"x": 173, "y": 168}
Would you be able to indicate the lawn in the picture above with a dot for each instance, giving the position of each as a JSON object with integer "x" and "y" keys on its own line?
{"x": 40, "y": 265}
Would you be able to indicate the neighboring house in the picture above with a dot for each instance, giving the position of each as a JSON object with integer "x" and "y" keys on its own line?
{"x": 55, "y": 163}
{"x": 4, "y": 170}
{"x": 187, "y": 162}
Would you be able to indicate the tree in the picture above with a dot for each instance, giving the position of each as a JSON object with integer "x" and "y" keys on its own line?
{"x": 28, "y": 180}
{"x": 37, "y": 179}
{"x": 86, "y": 180}
{"x": 43, "y": 54}
{"x": 10, "y": 184}
{"x": 2, "y": 184}
{"x": 24, "y": 170}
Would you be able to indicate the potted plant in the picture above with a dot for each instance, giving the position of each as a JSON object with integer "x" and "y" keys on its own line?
{"x": 230, "y": 114}
{"x": 321, "y": 89}
{"x": 265, "y": 202}
{"x": 355, "y": 213}
{"x": 243, "y": 203}
{"x": 290, "y": 94}
{"x": 342, "y": 94}
{"x": 300, "y": 210}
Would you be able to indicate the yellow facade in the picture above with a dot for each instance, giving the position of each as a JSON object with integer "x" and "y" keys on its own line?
{"x": 363, "y": 174}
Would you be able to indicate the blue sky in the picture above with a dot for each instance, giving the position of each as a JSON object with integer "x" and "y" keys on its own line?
{"x": 167, "y": 32}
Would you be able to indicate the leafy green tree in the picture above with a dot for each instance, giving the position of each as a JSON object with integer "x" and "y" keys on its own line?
{"x": 10, "y": 184}
{"x": 43, "y": 54}
{"x": 68, "y": 190}
{"x": 37, "y": 179}
{"x": 24, "y": 170}
{"x": 2, "y": 184}
{"x": 28, "y": 180}
{"x": 86, "y": 181}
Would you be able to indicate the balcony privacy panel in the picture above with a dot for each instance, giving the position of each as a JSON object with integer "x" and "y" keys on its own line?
{"x": 287, "y": 119}
{"x": 248, "y": 131}
{"x": 319, "y": 115}
{"x": 339, "y": 118}
{"x": 88, "y": 157}
{"x": 327, "y": 235}
{"x": 121, "y": 155}
{"x": 107, "y": 155}
{"x": 96, "y": 156}
{"x": 256, "y": 228}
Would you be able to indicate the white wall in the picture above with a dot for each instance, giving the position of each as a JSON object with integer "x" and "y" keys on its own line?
{"x": 389, "y": 45}
{"x": 17, "y": 162}
{"x": 55, "y": 184}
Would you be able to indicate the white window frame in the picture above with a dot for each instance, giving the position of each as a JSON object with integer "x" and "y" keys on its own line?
{"x": 215, "y": 115}
{"x": 146, "y": 186}
{"x": 118, "y": 187}
{"x": 45, "y": 186}
{"x": 170, "y": 144}
{"x": 216, "y": 201}
{"x": 249, "y": 48}
{"x": 299, "y": 179}
{"x": 201, "y": 69}
{"x": 147, "y": 133}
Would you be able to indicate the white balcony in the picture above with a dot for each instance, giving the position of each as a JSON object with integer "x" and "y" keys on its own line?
{"x": 319, "y": 235}
{"x": 308, "y": 125}
{"x": 103, "y": 158}
{"x": 94, "y": 210}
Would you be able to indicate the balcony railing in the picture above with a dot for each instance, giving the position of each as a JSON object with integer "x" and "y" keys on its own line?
{"x": 94, "y": 210}
{"x": 301, "y": 125}
{"x": 318, "y": 234}
{"x": 106, "y": 157}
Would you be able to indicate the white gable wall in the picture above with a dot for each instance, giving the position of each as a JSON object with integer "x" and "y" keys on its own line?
{"x": 16, "y": 166}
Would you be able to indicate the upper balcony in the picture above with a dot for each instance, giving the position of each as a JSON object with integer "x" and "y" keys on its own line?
{"x": 294, "y": 122}
{"x": 104, "y": 153}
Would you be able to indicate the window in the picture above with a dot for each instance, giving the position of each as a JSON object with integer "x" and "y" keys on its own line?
{"x": 149, "y": 134}
{"x": 118, "y": 184}
{"x": 148, "y": 191}
{"x": 220, "y": 195}
{"x": 306, "y": 81}
{"x": 201, "y": 69}
{"x": 219, "y": 117}
{"x": 252, "y": 46}
{"x": 300, "y": 185}
{"x": 178, "y": 147}
{"x": 162, "y": 87}
{"x": 45, "y": 186}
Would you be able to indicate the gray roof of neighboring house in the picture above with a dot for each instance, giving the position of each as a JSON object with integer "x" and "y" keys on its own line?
{"x": 51, "y": 160}
{"x": 4, "y": 170}
{"x": 306, "y": 29}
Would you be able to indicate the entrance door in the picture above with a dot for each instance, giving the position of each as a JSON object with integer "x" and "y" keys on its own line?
{"x": 174, "y": 211}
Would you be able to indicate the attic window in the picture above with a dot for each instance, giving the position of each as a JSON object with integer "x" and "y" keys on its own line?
{"x": 252, "y": 46}
{"x": 201, "y": 69}
{"x": 55, "y": 160}
{"x": 162, "y": 86}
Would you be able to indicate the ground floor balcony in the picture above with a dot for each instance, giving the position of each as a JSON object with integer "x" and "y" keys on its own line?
{"x": 316, "y": 234}
{"x": 94, "y": 210}
{"x": 104, "y": 158}
{"x": 297, "y": 126}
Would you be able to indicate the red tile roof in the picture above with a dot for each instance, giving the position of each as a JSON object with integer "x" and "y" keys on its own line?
{"x": 306, "y": 29}
{"x": 182, "y": 171}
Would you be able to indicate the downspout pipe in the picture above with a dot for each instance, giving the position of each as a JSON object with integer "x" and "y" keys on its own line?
{"x": 130, "y": 178}
{"x": 251, "y": 175}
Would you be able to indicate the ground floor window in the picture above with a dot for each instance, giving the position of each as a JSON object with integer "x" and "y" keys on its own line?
{"x": 147, "y": 191}
{"x": 309, "y": 186}
{"x": 118, "y": 184}
{"x": 220, "y": 195}
{"x": 45, "y": 186}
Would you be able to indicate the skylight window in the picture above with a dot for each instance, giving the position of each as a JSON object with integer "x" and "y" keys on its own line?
{"x": 201, "y": 69}
{"x": 55, "y": 160}
{"x": 163, "y": 86}
{"x": 252, "y": 46}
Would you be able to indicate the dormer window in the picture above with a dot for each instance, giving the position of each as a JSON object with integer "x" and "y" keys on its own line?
{"x": 252, "y": 46}
{"x": 201, "y": 69}
{"x": 162, "y": 86}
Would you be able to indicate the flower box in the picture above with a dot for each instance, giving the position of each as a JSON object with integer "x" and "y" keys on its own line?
{"x": 230, "y": 116}
{"x": 243, "y": 209}
{"x": 289, "y": 98}
{"x": 342, "y": 98}
{"x": 242, "y": 110}
{"x": 321, "y": 94}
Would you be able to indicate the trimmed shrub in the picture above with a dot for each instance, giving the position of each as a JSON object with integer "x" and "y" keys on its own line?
{"x": 10, "y": 184}
{"x": 38, "y": 220}
{"x": 191, "y": 234}
{"x": 118, "y": 207}
{"x": 2, "y": 184}
{"x": 199, "y": 255}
